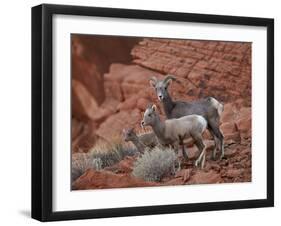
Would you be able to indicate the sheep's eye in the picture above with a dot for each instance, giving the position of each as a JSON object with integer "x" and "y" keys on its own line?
{"x": 149, "y": 115}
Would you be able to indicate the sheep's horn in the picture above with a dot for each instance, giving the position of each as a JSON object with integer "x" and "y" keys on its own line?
{"x": 153, "y": 79}
{"x": 168, "y": 77}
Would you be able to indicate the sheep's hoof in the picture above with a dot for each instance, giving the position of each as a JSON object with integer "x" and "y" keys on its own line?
{"x": 222, "y": 157}
{"x": 214, "y": 158}
{"x": 196, "y": 163}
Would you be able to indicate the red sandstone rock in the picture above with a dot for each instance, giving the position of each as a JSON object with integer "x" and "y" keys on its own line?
{"x": 244, "y": 124}
{"x": 83, "y": 103}
{"x": 142, "y": 103}
{"x": 230, "y": 153}
{"x": 210, "y": 165}
{"x": 234, "y": 173}
{"x": 245, "y": 112}
{"x": 101, "y": 114}
{"x": 92, "y": 179}
{"x": 83, "y": 135}
{"x": 232, "y": 138}
{"x": 131, "y": 79}
{"x": 192, "y": 152}
{"x": 113, "y": 90}
{"x": 174, "y": 181}
{"x": 89, "y": 75}
{"x": 128, "y": 104}
{"x": 212, "y": 66}
{"x": 229, "y": 113}
{"x": 228, "y": 128}
{"x": 201, "y": 177}
{"x": 184, "y": 174}
{"x": 124, "y": 166}
{"x": 114, "y": 125}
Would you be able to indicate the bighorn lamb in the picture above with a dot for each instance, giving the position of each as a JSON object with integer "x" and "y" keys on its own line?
{"x": 174, "y": 131}
{"x": 141, "y": 141}
{"x": 209, "y": 108}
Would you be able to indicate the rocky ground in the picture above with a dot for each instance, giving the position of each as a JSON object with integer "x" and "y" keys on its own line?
{"x": 235, "y": 168}
{"x": 110, "y": 92}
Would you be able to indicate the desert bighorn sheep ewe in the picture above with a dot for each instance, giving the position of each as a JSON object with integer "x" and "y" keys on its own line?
{"x": 209, "y": 108}
{"x": 174, "y": 131}
{"x": 141, "y": 141}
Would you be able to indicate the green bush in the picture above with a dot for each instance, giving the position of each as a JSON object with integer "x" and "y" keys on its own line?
{"x": 155, "y": 164}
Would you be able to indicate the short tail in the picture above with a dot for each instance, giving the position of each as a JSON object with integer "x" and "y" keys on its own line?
{"x": 216, "y": 104}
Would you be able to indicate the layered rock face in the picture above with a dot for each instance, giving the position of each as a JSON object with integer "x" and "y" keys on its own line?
{"x": 210, "y": 68}
{"x": 90, "y": 59}
{"x": 110, "y": 90}
{"x": 117, "y": 98}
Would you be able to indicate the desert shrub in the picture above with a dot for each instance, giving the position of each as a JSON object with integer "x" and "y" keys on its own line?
{"x": 111, "y": 153}
{"x": 155, "y": 164}
{"x": 101, "y": 155}
{"x": 81, "y": 163}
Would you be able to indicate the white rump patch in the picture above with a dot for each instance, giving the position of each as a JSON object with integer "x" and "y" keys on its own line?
{"x": 217, "y": 105}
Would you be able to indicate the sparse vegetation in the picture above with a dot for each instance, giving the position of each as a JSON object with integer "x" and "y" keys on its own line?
{"x": 80, "y": 164}
{"x": 155, "y": 164}
{"x": 111, "y": 153}
{"x": 103, "y": 154}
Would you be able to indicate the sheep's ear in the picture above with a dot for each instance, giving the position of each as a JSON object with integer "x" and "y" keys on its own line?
{"x": 154, "y": 107}
{"x": 152, "y": 81}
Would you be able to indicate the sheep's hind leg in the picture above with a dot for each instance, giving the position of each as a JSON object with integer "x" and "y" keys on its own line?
{"x": 201, "y": 146}
{"x": 214, "y": 124}
{"x": 216, "y": 143}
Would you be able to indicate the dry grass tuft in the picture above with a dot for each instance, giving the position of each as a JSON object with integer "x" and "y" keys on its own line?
{"x": 111, "y": 153}
{"x": 101, "y": 155}
{"x": 80, "y": 164}
{"x": 155, "y": 164}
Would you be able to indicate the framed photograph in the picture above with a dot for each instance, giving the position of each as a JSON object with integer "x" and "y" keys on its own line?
{"x": 146, "y": 112}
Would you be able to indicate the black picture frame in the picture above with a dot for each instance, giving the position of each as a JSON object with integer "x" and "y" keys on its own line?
{"x": 42, "y": 107}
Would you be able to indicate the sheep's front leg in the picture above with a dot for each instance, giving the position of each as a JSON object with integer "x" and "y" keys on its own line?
{"x": 176, "y": 147}
{"x": 183, "y": 150}
{"x": 201, "y": 159}
{"x": 222, "y": 149}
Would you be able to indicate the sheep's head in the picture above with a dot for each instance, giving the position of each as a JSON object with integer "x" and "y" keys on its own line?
{"x": 129, "y": 134}
{"x": 161, "y": 86}
{"x": 149, "y": 116}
